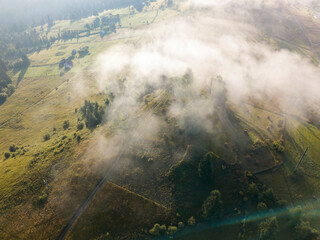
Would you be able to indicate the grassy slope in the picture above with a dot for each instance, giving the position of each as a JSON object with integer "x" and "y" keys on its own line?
{"x": 36, "y": 107}
{"x": 43, "y": 100}
{"x": 117, "y": 210}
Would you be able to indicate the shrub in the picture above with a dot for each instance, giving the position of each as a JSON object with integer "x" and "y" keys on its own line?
{"x": 12, "y": 148}
{"x": 213, "y": 205}
{"x": 157, "y": 230}
{"x": 6, "y": 155}
{"x": 46, "y": 137}
{"x": 278, "y": 146}
{"x": 78, "y": 138}
{"x": 66, "y": 124}
{"x": 163, "y": 229}
{"x": 80, "y": 126}
{"x": 42, "y": 199}
{"x": 172, "y": 230}
{"x": 180, "y": 225}
{"x": 253, "y": 191}
{"x": 268, "y": 229}
{"x": 248, "y": 230}
{"x": 262, "y": 207}
{"x": 191, "y": 221}
{"x": 83, "y": 51}
{"x": 269, "y": 198}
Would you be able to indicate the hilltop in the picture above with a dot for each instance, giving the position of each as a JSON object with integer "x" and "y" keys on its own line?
{"x": 133, "y": 155}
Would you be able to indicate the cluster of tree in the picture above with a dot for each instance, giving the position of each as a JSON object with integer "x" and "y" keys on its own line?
{"x": 46, "y": 12}
{"x": 6, "y": 88}
{"x": 266, "y": 229}
{"x": 83, "y": 51}
{"x": 111, "y": 20}
{"x": 67, "y": 35}
{"x": 106, "y": 24}
{"x": 23, "y": 63}
{"x": 17, "y": 38}
{"x": 263, "y": 196}
{"x": 213, "y": 206}
{"x": 14, "y": 44}
{"x": 15, "y": 151}
{"x": 159, "y": 230}
{"x": 92, "y": 113}
{"x": 300, "y": 226}
{"x": 278, "y": 146}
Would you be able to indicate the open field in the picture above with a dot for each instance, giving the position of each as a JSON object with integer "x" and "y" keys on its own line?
{"x": 137, "y": 193}
{"x": 42, "y": 101}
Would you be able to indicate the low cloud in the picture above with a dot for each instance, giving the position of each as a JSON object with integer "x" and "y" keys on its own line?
{"x": 211, "y": 39}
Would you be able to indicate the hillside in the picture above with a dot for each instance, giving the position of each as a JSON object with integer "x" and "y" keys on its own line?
{"x": 179, "y": 120}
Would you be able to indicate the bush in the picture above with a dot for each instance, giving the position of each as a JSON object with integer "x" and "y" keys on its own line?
{"x": 157, "y": 230}
{"x": 253, "y": 191}
{"x": 248, "y": 230}
{"x": 80, "y": 126}
{"x": 300, "y": 226}
{"x": 191, "y": 221}
{"x": 66, "y": 124}
{"x": 172, "y": 230}
{"x": 213, "y": 205}
{"x": 78, "y": 138}
{"x": 269, "y": 198}
{"x": 180, "y": 225}
{"x": 268, "y": 229}
{"x": 83, "y": 51}
{"x": 42, "y": 199}
{"x": 12, "y": 148}
{"x": 46, "y": 137}
{"x": 262, "y": 207}
{"x": 278, "y": 146}
{"x": 6, "y": 155}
